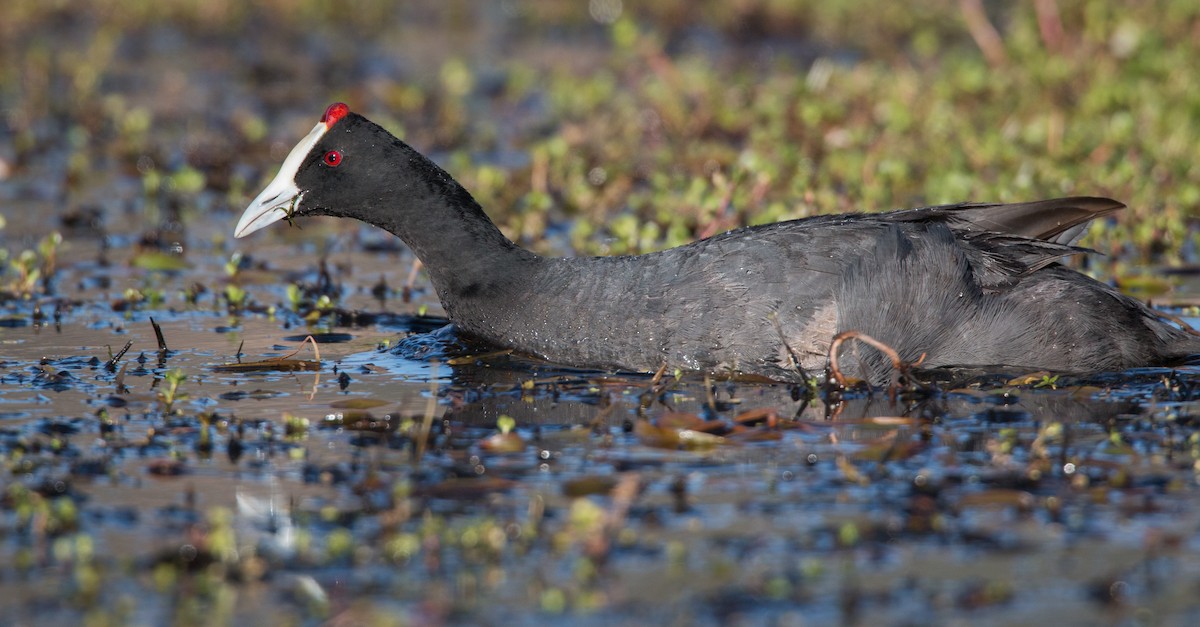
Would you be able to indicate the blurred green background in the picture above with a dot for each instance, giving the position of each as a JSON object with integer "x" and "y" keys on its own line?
{"x": 630, "y": 126}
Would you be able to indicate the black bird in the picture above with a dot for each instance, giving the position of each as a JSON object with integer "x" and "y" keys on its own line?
{"x": 964, "y": 285}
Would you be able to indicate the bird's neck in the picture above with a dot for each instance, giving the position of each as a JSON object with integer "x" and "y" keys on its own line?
{"x": 461, "y": 248}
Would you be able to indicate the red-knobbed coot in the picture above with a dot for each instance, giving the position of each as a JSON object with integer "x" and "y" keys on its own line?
{"x": 964, "y": 285}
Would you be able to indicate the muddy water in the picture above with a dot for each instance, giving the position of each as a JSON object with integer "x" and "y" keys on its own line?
{"x": 266, "y": 493}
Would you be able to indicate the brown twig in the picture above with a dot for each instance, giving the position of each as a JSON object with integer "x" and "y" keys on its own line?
{"x": 1049, "y": 24}
{"x": 119, "y": 382}
{"x": 983, "y": 32}
{"x": 709, "y": 397}
{"x": 316, "y": 355}
{"x": 539, "y": 173}
{"x": 792, "y": 356}
{"x": 158, "y": 335}
{"x": 658, "y": 375}
{"x": 111, "y": 364}
{"x": 430, "y": 409}
{"x": 470, "y": 359}
{"x": 898, "y": 365}
{"x": 1183, "y": 325}
{"x": 411, "y": 281}
{"x": 841, "y": 338}
{"x": 596, "y": 422}
{"x": 316, "y": 350}
{"x": 623, "y": 495}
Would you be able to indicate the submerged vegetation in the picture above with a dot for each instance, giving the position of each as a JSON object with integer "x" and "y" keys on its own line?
{"x": 148, "y": 484}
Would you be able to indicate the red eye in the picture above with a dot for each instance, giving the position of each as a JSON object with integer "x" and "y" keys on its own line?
{"x": 333, "y": 158}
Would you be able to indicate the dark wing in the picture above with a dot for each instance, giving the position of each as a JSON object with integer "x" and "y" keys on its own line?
{"x": 999, "y": 261}
{"x": 1059, "y": 220}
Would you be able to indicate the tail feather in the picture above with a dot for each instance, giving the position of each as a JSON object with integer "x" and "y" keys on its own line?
{"x": 1058, "y": 220}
